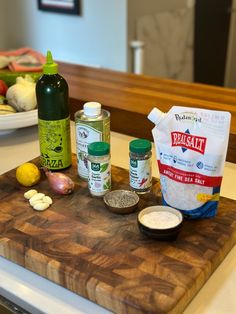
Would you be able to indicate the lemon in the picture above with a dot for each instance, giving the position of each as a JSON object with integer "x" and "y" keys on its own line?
{"x": 28, "y": 174}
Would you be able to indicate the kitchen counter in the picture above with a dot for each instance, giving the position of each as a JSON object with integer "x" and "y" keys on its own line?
{"x": 131, "y": 97}
{"x": 38, "y": 295}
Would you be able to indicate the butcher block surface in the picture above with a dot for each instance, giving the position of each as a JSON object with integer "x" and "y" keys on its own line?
{"x": 80, "y": 245}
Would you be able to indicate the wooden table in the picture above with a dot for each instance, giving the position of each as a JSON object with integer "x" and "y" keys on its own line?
{"x": 131, "y": 97}
{"x": 80, "y": 245}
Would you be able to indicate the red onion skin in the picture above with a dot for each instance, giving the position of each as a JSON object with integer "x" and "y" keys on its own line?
{"x": 59, "y": 182}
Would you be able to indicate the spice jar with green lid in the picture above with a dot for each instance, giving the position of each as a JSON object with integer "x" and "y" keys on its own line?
{"x": 99, "y": 168}
{"x": 140, "y": 166}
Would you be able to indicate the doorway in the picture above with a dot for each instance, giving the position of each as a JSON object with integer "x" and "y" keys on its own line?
{"x": 212, "y": 23}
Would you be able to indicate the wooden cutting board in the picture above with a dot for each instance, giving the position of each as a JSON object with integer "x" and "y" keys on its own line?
{"x": 79, "y": 244}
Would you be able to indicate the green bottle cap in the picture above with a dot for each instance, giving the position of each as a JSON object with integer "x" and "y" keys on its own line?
{"x": 50, "y": 67}
{"x": 140, "y": 146}
{"x": 98, "y": 148}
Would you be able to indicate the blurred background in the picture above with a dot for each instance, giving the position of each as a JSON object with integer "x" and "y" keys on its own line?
{"x": 189, "y": 40}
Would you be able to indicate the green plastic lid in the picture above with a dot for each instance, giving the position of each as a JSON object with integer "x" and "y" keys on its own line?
{"x": 50, "y": 67}
{"x": 98, "y": 149}
{"x": 140, "y": 146}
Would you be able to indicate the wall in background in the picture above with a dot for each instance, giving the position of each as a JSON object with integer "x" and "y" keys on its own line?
{"x": 97, "y": 37}
{"x": 230, "y": 74}
{"x": 166, "y": 29}
{"x": 3, "y": 27}
{"x": 101, "y": 35}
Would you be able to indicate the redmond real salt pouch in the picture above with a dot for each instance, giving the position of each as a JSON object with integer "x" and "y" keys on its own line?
{"x": 191, "y": 146}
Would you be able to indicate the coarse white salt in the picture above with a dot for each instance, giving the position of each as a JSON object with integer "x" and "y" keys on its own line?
{"x": 160, "y": 220}
{"x": 191, "y": 146}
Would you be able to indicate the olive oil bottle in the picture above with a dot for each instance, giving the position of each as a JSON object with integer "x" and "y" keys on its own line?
{"x": 53, "y": 117}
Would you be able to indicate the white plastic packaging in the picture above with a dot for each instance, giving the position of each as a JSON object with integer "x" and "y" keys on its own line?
{"x": 191, "y": 146}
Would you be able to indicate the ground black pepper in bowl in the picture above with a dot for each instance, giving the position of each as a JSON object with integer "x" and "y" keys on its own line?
{"x": 121, "y": 201}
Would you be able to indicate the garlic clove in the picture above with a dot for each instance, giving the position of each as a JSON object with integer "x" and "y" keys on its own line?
{"x": 47, "y": 199}
{"x": 30, "y": 193}
{"x": 36, "y": 197}
{"x": 32, "y": 203}
{"x": 39, "y": 201}
{"x": 40, "y": 206}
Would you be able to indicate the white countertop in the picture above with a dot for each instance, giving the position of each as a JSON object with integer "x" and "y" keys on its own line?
{"x": 38, "y": 295}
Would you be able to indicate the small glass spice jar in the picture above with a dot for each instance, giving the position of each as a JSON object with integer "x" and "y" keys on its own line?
{"x": 140, "y": 166}
{"x": 99, "y": 168}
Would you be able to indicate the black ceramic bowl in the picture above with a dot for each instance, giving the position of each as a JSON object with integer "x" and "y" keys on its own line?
{"x": 121, "y": 201}
{"x": 160, "y": 222}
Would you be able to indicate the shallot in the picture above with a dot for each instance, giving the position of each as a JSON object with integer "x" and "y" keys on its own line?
{"x": 59, "y": 182}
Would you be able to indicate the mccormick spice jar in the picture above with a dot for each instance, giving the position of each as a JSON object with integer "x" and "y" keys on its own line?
{"x": 99, "y": 168}
{"x": 140, "y": 167}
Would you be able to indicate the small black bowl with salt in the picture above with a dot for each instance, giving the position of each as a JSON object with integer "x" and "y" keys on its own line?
{"x": 160, "y": 222}
{"x": 121, "y": 201}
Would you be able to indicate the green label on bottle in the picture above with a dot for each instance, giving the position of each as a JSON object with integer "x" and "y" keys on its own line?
{"x": 55, "y": 144}
{"x": 134, "y": 163}
{"x": 95, "y": 166}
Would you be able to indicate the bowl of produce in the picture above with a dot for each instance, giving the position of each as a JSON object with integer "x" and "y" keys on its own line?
{"x": 18, "y": 106}
{"x": 121, "y": 201}
{"x": 160, "y": 222}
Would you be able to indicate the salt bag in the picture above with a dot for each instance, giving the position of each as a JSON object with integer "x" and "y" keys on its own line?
{"x": 191, "y": 146}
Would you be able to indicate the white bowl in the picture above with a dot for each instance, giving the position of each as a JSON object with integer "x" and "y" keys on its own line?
{"x": 11, "y": 122}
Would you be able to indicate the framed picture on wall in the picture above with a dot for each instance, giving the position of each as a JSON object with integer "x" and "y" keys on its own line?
{"x": 60, "y": 6}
